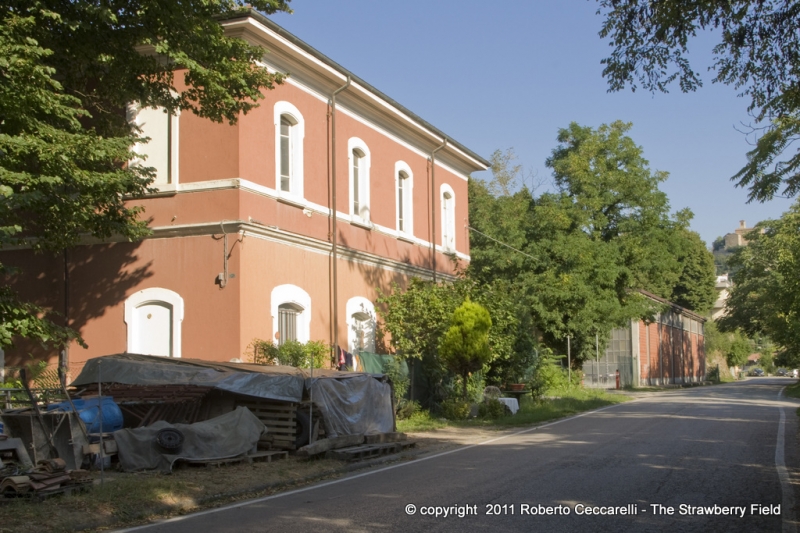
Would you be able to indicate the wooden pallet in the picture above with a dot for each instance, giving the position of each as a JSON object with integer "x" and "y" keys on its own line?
{"x": 268, "y": 456}
{"x": 279, "y": 417}
{"x": 368, "y": 451}
{"x": 264, "y": 456}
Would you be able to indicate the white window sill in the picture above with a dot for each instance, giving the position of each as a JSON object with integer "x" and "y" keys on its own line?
{"x": 292, "y": 199}
{"x": 406, "y": 237}
{"x": 361, "y": 223}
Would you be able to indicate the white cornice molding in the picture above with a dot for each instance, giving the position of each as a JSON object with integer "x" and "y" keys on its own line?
{"x": 279, "y": 236}
{"x": 302, "y": 203}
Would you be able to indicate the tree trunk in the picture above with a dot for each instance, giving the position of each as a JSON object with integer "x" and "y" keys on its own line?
{"x": 464, "y": 378}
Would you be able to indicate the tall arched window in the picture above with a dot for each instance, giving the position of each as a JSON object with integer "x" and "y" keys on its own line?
{"x": 287, "y": 322}
{"x": 359, "y": 163}
{"x": 448, "y": 205}
{"x": 360, "y": 325}
{"x": 289, "y": 133}
{"x": 161, "y": 151}
{"x": 154, "y": 318}
{"x": 357, "y": 158}
{"x": 286, "y": 153}
{"x": 404, "y": 182}
{"x": 291, "y": 310}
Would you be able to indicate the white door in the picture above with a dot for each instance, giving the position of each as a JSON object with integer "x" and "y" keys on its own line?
{"x": 153, "y": 329}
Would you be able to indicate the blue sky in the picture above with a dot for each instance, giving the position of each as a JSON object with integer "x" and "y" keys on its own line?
{"x": 497, "y": 75}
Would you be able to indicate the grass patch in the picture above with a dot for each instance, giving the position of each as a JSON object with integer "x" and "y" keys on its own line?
{"x": 792, "y": 391}
{"x": 562, "y": 403}
{"x": 421, "y": 421}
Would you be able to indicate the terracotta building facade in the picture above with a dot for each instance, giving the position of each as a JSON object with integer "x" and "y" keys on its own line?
{"x": 282, "y": 226}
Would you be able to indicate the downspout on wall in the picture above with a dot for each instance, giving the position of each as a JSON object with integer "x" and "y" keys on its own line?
{"x": 334, "y": 236}
{"x": 433, "y": 207}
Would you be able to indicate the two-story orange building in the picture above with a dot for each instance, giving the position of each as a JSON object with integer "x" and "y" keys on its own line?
{"x": 279, "y": 227}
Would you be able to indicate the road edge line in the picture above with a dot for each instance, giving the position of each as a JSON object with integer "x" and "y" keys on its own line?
{"x": 364, "y": 474}
{"x": 787, "y": 492}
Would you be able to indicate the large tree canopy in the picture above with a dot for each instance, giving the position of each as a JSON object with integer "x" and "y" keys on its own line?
{"x": 67, "y": 70}
{"x": 765, "y": 298}
{"x": 579, "y": 251}
{"x": 758, "y": 53}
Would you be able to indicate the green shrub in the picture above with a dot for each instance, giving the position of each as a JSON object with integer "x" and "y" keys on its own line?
{"x": 407, "y": 409}
{"x": 455, "y": 409}
{"x": 549, "y": 376}
{"x": 291, "y": 353}
{"x": 393, "y": 370}
{"x": 492, "y": 408}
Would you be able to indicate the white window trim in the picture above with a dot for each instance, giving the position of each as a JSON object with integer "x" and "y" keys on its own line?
{"x": 408, "y": 203}
{"x": 132, "y": 115}
{"x": 364, "y": 181}
{"x": 359, "y": 304}
{"x": 297, "y": 132}
{"x": 292, "y": 294}
{"x": 451, "y": 223}
{"x": 155, "y": 295}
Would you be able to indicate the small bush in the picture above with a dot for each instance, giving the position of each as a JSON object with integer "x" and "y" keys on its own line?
{"x": 291, "y": 353}
{"x": 492, "y": 408}
{"x": 393, "y": 370}
{"x": 454, "y": 409}
{"x": 407, "y": 409}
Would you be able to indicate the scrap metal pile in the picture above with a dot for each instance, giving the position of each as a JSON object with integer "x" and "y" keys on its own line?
{"x": 18, "y": 478}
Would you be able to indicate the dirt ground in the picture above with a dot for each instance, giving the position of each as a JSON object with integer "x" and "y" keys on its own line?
{"x": 126, "y": 499}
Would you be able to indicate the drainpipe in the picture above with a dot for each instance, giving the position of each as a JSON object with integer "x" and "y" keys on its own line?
{"x": 333, "y": 215}
{"x": 64, "y": 362}
{"x": 334, "y": 242}
{"x": 433, "y": 207}
{"x": 223, "y": 277}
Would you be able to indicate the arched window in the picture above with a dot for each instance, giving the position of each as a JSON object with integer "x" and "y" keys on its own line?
{"x": 360, "y": 325}
{"x": 291, "y": 309}
{"x": 404, "y": 182}
{"x": 161, "y": 151}
{"x": 154, "y": 318}
{"x": 287, "y": 322}
{"x": 359, "y": 163}
{"x": 448, "y": 205}
{"x": 289, "y": 133}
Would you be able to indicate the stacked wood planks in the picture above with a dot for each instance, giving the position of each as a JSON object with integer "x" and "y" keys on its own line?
{"x": 279, "y": 417}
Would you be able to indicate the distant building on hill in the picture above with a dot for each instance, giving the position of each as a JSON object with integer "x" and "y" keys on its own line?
{"x": 738, "y": 237}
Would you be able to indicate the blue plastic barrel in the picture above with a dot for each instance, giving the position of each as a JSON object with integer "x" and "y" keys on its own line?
{"x": 90, "y": 414}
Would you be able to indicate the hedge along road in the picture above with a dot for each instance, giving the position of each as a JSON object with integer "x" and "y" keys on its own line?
{"x": 705, "y": 459}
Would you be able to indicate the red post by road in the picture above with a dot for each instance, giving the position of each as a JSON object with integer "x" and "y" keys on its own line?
{"x": 617, "y": 379}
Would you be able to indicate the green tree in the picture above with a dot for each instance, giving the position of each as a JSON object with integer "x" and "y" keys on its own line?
{"x": 68, "y": 69}
{"x": 695, "y": 289}
{"x": 765, "y": 297}
{"x": 573, "y": 256}
{"x": 757, "y": 53}
{"x": 465, "y": 345}
{"x": 738, "y": 351}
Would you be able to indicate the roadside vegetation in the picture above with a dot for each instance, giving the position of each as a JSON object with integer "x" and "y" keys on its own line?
{"x": 565, "y": 403}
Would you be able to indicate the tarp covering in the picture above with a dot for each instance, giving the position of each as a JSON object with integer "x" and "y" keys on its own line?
{"x": 358, "y": 405}
{"x": 352, "y": 403}
{"x": 374, "y": 363}
{"x": 271, "y": 382}
{"x": 223, "y": 437}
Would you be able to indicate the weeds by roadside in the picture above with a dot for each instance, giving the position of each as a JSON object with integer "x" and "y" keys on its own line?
{"x": 562, "y": 402}
{"x": 792, "y": 391}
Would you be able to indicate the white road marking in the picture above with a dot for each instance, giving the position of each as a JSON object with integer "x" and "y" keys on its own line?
{"x": 788, "y": 515}
{"x": 364, "y": 474}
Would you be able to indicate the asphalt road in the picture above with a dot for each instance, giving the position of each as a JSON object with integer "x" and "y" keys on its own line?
{"x": 699, "y": 447}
